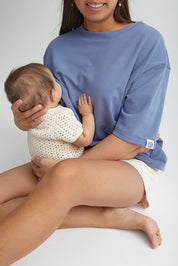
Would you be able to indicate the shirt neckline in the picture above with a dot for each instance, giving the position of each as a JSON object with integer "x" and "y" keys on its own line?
{"x": 108, "y": 33}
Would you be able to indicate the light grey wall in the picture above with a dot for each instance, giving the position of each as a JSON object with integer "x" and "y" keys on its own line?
{"x": 26, "y": 28}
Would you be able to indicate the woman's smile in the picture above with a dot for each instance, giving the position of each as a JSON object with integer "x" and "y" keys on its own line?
{"x": 98, "y": 15}
{"x": 95, "y": 6}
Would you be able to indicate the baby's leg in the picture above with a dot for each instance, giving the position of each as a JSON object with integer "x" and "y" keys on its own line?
{"x": 17, "y": 182}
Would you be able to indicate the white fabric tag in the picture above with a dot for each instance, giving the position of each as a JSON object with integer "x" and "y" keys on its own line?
{"x": 150, "y": 144}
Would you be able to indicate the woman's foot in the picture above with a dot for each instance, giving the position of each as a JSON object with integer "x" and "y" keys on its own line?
{"x": 124, "y": 218}
{"x": 151, "y": 229}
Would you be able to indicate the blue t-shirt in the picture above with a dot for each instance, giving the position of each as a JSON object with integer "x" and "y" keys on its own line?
{"x": 126, "y": 74}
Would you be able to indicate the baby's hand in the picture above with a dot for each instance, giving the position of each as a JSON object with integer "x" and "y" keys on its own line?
{"x": 84, "y": 105}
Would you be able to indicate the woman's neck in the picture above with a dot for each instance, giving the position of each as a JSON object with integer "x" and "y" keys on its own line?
{"x": 109, "y": 25}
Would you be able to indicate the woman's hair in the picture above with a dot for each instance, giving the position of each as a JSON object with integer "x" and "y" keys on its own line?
{"x": 31, "y": 83}
{"x": 72, "y": 18}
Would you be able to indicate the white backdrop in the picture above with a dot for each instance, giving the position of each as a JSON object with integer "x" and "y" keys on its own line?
{"x": 26, "y": 28}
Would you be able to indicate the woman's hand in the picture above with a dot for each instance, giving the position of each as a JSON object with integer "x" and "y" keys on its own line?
{"x": 29, "y": 119}
{"x": 40, "y": 166}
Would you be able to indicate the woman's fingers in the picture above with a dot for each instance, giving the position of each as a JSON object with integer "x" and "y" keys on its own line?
{"x": 40, "y": 166}
{"x": 158, "y": 136}
{"x": 36, "y": 118}
{"x": 36, "y": 169}
{"x": 15, "y": 106}
{"x": 32, "y": 113}
{"x": 37, "y": 161}
{"x": 29, "y": 119}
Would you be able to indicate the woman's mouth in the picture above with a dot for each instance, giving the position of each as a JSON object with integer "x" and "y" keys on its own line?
{"x": 96, "y": 7}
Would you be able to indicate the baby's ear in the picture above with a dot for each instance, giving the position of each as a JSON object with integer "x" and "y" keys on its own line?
{"x": 52, "y": 95}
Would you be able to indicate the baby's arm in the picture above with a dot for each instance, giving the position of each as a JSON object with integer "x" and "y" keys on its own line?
{"x": 88, "y": 122}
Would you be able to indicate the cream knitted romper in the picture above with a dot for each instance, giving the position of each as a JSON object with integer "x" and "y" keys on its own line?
{"x": 54, "y": 137}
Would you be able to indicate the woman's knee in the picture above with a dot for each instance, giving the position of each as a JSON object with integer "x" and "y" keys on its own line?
{"x": 63, "y": 174}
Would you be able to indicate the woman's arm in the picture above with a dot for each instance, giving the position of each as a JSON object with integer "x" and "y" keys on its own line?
{"x": 114, "y": 148}
{"x": 111, "y": 148}
{"x": 29, "y": 119}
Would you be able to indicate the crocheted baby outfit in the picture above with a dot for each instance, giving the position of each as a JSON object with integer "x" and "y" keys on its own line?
{"x": 54, "y": 137}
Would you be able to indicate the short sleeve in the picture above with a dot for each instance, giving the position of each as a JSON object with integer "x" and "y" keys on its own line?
{"x": 141, "y": 113}
{"x": 66, "y": 128}
{"x": 51, "y": 61}
{"x": 55, "y": 59}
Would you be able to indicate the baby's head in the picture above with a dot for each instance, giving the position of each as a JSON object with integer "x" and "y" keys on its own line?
{"x": 34, "y": 84}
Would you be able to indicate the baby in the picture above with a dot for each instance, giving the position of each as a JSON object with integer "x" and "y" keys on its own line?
{"x": 60, "y": 136}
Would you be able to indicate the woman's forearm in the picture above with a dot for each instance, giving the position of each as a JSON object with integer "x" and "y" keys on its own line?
{"x": 113, "y": 148}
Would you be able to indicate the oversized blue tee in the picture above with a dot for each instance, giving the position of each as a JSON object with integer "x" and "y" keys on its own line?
{"x": 126, "y": 74}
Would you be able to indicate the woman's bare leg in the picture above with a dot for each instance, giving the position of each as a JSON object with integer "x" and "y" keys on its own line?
{"x": 117, "y": 218}
{"x": 71, "y": 183}
{"x": 20, "y": 181}
{"x": 79, "y": 216}
{"x": 16, "y": 182}
{"x": 105, "y": 217}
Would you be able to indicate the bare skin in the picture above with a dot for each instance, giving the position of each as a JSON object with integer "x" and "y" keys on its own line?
{"x": 121, "y": 218}
{"x": 71, "y": 189}
{"x": 103, "y": 217}
{"x": 128, "y": 192}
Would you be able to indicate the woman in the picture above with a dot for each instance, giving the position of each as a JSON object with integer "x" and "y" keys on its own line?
{"x": 124, "y": 67}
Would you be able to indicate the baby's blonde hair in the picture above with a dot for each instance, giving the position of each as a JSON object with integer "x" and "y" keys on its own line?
{"x": 31, "y": 83}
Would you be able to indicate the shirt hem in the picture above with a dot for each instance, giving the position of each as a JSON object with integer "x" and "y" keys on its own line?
{"x": 131, "y": 140}
{"x": 148, "y": 161}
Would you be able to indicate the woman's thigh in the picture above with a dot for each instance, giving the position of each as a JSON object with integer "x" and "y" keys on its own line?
{"x": 105, "y": 183}
{"x": 16, "y": 182}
